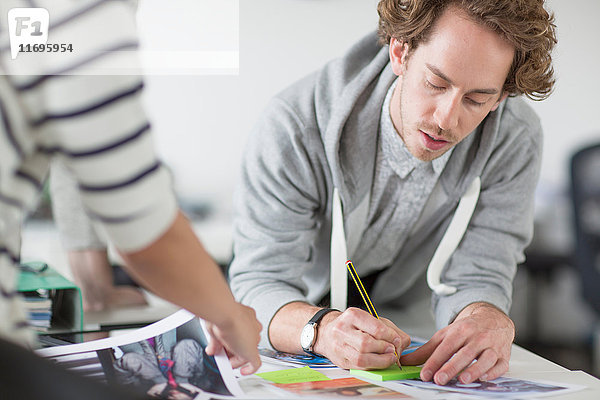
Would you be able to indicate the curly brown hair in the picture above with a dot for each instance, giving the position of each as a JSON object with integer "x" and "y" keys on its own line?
{"x": 524, "y": 23}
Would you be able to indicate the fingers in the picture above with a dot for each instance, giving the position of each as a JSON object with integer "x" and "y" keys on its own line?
{"x": 499, "y": 369}
{"x": 251, "y": 363}
{"x": 403, "y": 339}
{"x": 370, "y": 360}
{"x": 213, "y": 347}
{"x": 355, "y": 339}
{"x": 237, "y": 361}
{"x": 443, "y": 352}
{"x": 383, "y": 330}
{"x": 365, "y": 322}
{"x": 362, "y": 351}
{"x": 458, "y": 362}
{"x": 481, "y": 366}
{"x": 422, "y": 354}
{"x": 362, "y": 342}
{"x": 346, "y": 356}
{"x": 239, "y": 338}
{"x": 251, "y": 367}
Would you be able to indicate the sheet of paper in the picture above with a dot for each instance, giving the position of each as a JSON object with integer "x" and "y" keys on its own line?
{"x": 180, "y": 334}
{"x": 503, "y": 387}
{"x": 344, "y": 387}
{"x": 294, "y": 375}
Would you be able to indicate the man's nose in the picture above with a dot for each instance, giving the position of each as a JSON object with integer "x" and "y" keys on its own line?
{"x": 447, "y": 112}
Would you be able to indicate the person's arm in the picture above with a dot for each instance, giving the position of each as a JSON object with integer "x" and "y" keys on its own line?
{"x": 97, "y": 126}
{"x": 483, "y": 267}
{"x": 93, "y": 274}
{"x": 176, "y": 267}
{"x": 126, "y": 189}
{"x": 280, "y": 208}
{"x": 86, "y": 250}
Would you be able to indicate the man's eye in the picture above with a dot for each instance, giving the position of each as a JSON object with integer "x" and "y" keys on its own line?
{"x": 432, "y": 86}
{"x": 475, "y": 103}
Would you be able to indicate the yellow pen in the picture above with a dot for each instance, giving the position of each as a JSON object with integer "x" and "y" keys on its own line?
{"x": 366, "y": 299}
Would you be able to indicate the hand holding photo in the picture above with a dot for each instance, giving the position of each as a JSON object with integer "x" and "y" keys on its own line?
{"x": 165, "y": 360}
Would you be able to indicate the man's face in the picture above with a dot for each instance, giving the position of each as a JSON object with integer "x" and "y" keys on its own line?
{"x": 447, "y": 85}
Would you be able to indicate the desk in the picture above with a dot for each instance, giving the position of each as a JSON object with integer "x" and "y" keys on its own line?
{"x": 527, "y": 365}
{"x": 418, "y": 321}
{"x": 523, "y": 365}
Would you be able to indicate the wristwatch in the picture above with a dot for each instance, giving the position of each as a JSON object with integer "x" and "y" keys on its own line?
{"x": 308, "y": 337}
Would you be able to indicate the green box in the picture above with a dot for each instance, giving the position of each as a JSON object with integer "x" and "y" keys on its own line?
{"x": 67, "y": 310}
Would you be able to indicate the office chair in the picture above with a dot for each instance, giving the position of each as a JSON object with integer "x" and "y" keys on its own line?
{"x": 585, "y": 195}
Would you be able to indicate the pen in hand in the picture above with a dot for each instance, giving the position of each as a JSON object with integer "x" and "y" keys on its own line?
{"x": 366, "y": 299}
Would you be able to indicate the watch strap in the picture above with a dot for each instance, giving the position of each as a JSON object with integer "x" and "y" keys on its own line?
{"x": 315, "y": 320}
{"x": 320, "y": 314}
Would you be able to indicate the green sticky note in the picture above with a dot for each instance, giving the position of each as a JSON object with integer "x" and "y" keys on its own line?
{"x": 294, "y": 375}
{"x": 390, "y": 374}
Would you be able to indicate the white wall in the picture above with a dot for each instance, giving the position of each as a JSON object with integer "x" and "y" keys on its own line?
{"x": 571, "y": 116}
{"x": 202, "y": 121}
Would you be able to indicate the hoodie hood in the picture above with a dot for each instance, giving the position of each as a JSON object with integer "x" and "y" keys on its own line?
{"x": 349, "y": 96}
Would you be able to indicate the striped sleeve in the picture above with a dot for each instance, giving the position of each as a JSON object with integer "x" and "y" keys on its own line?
{"x": 95, "y": 123}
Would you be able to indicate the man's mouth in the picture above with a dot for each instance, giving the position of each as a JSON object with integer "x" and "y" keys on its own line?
{"x": 433, "y": 142}
{"x": 437, "y": 139}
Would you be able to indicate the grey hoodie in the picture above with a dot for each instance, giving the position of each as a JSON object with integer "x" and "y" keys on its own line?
{"x": 322, "y": 133}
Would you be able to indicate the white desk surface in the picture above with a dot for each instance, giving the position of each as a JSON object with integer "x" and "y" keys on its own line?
{"x": 523, "y": 365}
{"x": 527, "y": 365}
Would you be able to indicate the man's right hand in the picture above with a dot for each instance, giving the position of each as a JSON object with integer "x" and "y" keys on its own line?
{"x": 239, "y": 335}
{"x": 356, "y": 339}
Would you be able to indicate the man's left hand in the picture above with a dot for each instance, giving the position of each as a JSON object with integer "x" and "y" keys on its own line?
{"x": 475, "y": 346}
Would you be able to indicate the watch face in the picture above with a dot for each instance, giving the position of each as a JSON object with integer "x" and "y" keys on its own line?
{"x": 307, "y": 336}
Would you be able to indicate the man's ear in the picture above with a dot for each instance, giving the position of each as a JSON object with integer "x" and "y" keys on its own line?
{"x": 398, "y": 52}
{"x": 500, "y": 100}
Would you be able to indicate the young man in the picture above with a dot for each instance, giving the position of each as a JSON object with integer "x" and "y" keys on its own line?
{"x": 52, "y": 105}
{"x": 402, "y": 132}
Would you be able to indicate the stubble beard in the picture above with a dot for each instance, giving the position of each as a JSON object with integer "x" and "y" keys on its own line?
{"x": 415, "y": 146}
